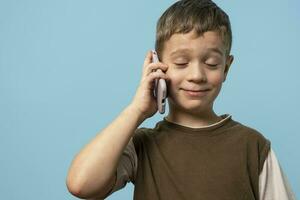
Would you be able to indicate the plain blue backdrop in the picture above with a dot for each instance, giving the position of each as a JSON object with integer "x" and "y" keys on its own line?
{"x": 69, "y": 67}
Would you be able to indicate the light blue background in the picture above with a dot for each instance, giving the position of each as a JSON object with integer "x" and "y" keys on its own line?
{"x": 68, "y": 68}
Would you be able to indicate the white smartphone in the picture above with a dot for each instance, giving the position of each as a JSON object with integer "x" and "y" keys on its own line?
{"x": 160, "y": 88}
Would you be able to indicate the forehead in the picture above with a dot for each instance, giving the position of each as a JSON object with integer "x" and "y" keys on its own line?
{"x": 210, "y": 41}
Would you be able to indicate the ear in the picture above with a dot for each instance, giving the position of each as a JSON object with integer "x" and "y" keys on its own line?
{"x": 229, "y": 61}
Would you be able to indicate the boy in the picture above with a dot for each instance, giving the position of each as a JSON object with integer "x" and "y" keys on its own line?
{"x": 192, "y": 153}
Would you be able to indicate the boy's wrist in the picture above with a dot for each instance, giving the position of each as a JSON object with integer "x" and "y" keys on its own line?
{"x": 135, "y": 112}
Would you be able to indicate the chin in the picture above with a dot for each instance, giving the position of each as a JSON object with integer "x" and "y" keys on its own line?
{"x": 190, "y": 106}
{"x": 194, "y": 106}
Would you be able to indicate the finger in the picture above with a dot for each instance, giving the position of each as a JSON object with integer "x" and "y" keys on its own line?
{"x": 148, "y": 59}
{"x": 158, "y": 74}
{"x": 155, "y": 66}
{"x": 155, "y": 74}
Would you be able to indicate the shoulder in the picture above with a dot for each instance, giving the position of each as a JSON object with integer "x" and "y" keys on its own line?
{"x": 144, "y": 136}
{"x": 145, "y": 132}
{"x": 256, "y": 144}
{"x": 251, "y": 134}
{"x": 142, "y": 132}
{"x": 141, "y": 135}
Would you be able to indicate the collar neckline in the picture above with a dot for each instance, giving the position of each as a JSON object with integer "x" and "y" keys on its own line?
{"x": 226, "y": 118}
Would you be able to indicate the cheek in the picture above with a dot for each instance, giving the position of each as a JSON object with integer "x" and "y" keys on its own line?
{"x": 174, "y": 77}
{"x": 215, "y": 78}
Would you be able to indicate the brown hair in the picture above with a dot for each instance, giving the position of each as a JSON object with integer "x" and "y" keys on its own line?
{"x": 186, "y": 15}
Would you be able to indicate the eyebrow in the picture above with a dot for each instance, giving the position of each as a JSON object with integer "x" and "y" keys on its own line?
{"x": 216, "y": 50}
{"x": 213, "y": 49}
{"x": 179, "y": 51}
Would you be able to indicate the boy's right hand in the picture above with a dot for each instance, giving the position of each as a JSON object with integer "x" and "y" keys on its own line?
{"x": 144, "y": 100}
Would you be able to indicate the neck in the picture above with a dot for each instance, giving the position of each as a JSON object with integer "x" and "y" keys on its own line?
{"x": 192, "y": 119}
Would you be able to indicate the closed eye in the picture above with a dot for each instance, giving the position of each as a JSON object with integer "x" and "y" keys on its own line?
{"x": 212, "y": 65}
{"x": 181, "y": 64}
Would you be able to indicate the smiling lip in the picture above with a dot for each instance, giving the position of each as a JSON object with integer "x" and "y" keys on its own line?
{"x": 196, "y": 93}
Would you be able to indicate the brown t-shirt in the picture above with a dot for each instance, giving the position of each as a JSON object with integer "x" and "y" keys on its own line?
{"x": 221, "y": 161}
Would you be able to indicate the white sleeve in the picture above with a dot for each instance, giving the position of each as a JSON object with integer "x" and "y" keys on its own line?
{"x": 273, "y": 183}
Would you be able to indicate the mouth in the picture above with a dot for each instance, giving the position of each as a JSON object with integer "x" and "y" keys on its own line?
{"x": 196, "y": 93}
{"x": 200, "y": 90}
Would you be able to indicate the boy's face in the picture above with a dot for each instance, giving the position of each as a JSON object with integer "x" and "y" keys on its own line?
{"x": 195, "y": 63}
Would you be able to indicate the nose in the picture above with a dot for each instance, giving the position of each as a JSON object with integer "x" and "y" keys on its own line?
{"x": 197, "y": 73}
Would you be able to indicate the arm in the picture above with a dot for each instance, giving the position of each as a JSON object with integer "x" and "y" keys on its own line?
{"x": 126, "y": 170}
{"x": 273, "y": 183}
{"x": 93, "y": 171}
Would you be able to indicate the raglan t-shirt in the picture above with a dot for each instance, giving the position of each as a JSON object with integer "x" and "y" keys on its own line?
{"x": 225, "y": 160}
